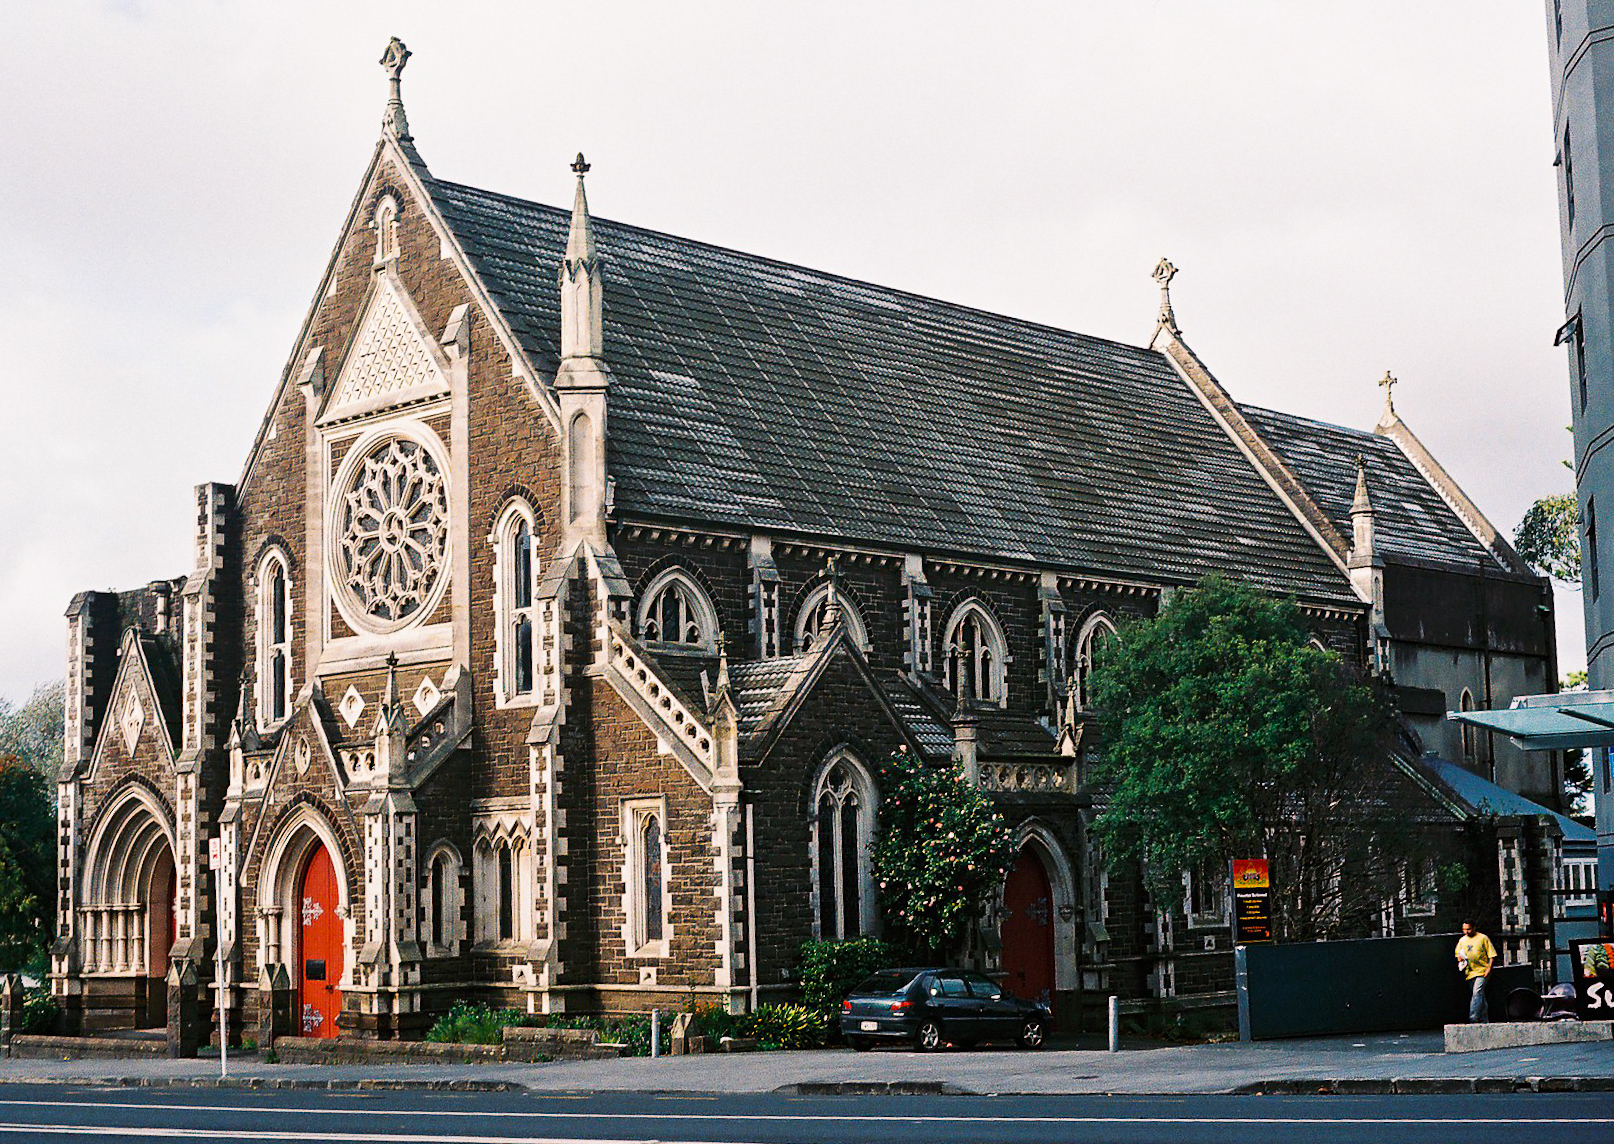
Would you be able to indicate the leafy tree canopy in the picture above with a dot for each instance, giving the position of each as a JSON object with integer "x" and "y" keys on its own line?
{"x": 1548, "y": 537}
{"x": 33, "y": 731}
{"x": 27, "y": 863}
{"x": 940, "y": 852}
{"x": 1226, "y": 733}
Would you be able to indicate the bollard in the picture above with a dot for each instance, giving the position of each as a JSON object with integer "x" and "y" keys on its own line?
{"x": 1115, "y": 1023}
{"x": 655, "y": 1032}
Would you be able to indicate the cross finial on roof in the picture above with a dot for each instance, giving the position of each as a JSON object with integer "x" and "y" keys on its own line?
{"x": 1388, "y": 382}
{"x": 580, "y": 165}
{"x": 1164, "y": 272}
{"x": 393, "y": 60}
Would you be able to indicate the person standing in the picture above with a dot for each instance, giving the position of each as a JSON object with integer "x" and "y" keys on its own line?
{"x": 1475, "y": 953}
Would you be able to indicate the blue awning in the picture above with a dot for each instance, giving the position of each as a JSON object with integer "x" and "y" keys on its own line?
{"x": 1550, "y": 722}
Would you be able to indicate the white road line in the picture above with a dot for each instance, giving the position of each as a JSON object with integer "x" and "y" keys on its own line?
{"x": 36, "y": 1130}
{"x": 801, "y": 1118}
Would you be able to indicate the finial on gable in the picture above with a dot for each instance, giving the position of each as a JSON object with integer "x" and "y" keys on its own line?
{"x": 1164, "y": 272}
{"x": 393, "y": 60}
{"x": 1361, "y": 503}
{"x": 580, "y": 166}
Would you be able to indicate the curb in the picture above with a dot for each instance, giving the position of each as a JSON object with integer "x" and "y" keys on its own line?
{"x": 1425, "y": 1086}
{"x": 361, "y": 1084}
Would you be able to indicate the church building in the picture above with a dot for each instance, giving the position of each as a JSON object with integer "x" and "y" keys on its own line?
{"x": 580, "y": 576}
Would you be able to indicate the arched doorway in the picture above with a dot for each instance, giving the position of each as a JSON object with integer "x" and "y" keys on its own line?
{"x": 319, "y": 945}
{"x": 1028, "y": 929}
{"x": 126, "y": 922}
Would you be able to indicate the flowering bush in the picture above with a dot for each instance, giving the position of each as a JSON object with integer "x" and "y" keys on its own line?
{"x": 940, "y": 852}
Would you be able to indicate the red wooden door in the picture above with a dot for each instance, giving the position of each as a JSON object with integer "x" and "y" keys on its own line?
{"x": 1028, "y": 930}
{"x": 319, "y": 947}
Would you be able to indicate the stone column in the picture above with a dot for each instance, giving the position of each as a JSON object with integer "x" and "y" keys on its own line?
{"x": 184, "y": 1010}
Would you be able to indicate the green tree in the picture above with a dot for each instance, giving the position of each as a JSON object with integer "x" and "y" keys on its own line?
{"x": 1548, "y": 537}
{"x": 1227, "y": 734}
{"x": 33, "y": 732}
{"x": 27, "y": 863}
{"x": 940, "y": 852}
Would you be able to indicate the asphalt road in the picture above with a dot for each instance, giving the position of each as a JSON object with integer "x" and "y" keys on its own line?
{"x": 48, "y": 1113}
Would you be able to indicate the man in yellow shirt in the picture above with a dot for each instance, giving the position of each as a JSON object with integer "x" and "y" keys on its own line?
{"x": 1475, "y": 953}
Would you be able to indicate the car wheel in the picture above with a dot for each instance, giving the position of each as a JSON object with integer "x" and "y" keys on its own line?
{"x": 860, "y": 1044}
{"x": 1032, "y": 1033}
{"x": 928, "y": 1037}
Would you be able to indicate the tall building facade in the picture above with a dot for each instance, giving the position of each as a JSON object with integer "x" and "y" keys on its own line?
{"x": 1580, "y": 37}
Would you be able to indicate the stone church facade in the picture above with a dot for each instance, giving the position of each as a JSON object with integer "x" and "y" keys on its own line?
{"x": 580, "y": 576}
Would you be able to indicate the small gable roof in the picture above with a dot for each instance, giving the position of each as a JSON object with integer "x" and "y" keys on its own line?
{"x": 1483, "y": 797}
{"x": 1410, "y": 518}
{"x": 755, "y": 394}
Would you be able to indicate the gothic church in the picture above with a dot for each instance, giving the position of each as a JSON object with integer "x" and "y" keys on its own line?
{"x": 579, "y": 576}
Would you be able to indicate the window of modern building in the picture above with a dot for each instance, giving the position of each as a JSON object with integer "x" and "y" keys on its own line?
{"x": 1592, "y": 577}
{"x": 677, "y": 614}
{"x": 1579, "y": 348}
{"x": 977, "y": 655}
{"x": 1569, "y": 179}
{"x": 843, "y": 829}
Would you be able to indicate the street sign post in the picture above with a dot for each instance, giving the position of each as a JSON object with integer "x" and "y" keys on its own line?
{"x": 1252, "y": 901}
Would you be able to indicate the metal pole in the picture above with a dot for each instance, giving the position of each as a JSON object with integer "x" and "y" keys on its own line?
{"x": 218, "y": 942}
{"x": 655, "y": 1032}
{"x": 1115, "y": 1023}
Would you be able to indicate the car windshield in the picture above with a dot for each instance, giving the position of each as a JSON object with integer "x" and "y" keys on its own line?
{"x": 886, "y": 981}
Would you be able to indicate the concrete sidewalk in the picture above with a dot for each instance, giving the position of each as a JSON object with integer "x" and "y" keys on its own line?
{"x": 1361, "y": 1064}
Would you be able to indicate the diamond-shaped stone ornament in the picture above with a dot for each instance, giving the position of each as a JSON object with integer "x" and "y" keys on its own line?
{"x": 134, "y": 718}
{"x": 426, "y": 696}
{"x": 352, "y": 706}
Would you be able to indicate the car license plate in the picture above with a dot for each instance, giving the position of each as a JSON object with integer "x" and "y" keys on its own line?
{"x": 868, "y": 1026}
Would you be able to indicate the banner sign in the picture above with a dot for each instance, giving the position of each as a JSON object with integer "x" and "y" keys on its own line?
{"x": 1252, "y": 901}
{"x": 1593, "y": 965}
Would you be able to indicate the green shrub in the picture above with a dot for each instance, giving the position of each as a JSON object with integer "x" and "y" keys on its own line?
{"x": 831, "y": 969}
{"x": 714, "y": 1022}
{"x": 785, "y": 1026}
{"x": 39, "y": 1010}
{"x": 475, "y": 1024}
{"x": 632, "y": 1030}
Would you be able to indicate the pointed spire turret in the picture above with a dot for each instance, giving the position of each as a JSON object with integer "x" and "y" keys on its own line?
{"x": 1164, "y": 272}
{"x": 832, "y": 598}
{"x": 581, "y": 299}
{"x": 1361, "y": 515}
{"x": 722, "y": 688}
{"x": 395, "y": 122}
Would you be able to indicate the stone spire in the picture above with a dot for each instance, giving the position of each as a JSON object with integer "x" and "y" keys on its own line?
{"x": 391, "y": 727}
{"x": 1164, "y": 272}
{"x": 1361, "y": 514}
{"x": 581, "y": 301}
{"x": 832, "y": 597}
{"x": 394, "y": 122}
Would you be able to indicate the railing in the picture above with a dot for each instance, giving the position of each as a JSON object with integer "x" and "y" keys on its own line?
{"x": 641, "y": 676}
{"x": 1059, "y": 777}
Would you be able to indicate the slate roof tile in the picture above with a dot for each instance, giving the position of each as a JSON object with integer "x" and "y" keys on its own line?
{"x": 755, "y": 394}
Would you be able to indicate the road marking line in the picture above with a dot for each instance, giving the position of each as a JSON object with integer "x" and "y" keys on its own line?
{"x": 763, "y": 1117}
{"x": 263, "y": 1134}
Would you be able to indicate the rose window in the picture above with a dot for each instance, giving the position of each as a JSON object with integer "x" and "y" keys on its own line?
{"x": 392, "y": 531}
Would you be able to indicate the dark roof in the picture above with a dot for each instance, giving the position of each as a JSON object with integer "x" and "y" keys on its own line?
{"x": 1410, "y": 518}
{"x": 756, "y": 685}
{"x": 759, "y": 395}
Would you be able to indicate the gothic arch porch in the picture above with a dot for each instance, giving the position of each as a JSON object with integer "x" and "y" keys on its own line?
{"x": 126, "y": 921}
{"x": 304, "y": 920}
{"x": 1037, "y": 922}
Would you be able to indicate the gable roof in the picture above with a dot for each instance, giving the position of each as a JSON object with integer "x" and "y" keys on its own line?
{"x": 754, "y": 394}
{"x": 1410, "y": 518}
{"x": 1483, "y": 797}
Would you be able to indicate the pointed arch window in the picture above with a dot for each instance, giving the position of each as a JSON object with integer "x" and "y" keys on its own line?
{"x": 443, "y": 901}
{"x": 1470, "y": 735}
{"x": 386, "y": 227}
{"x": 516, "y": 596}
{"x": 1094, "y": 634}
{"x": 977, "y": 655}
{"x": 274, "y": 639}
{"x": 501, "y": 877}
{"x": 645, "y": 829}
{"x": 811, "y": 619}
{"x": 843, "y": 832}
{"x": 675, "y": 614}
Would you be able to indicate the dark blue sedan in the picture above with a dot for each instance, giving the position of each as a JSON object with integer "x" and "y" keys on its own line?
{"x": 928, "y": 1008}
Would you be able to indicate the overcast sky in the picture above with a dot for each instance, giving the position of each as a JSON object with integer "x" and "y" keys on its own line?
{"x": 1346, "y": 187}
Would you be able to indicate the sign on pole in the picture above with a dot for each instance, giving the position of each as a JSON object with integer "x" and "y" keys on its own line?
{"x": 1252, "y": 901}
